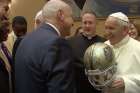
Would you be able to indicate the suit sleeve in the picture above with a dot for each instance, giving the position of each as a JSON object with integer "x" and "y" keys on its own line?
{"x": 58, "y": 67}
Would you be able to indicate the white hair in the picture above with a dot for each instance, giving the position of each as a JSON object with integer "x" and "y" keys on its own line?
{"x": 39, "y": 16}
{"x": 51, "y": 7}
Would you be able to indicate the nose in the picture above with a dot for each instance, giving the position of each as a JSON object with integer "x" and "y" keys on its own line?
{"x": 86, "y": 25}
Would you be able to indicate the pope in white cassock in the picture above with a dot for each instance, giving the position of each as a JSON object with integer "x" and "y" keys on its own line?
{"x": 127, "y": 54}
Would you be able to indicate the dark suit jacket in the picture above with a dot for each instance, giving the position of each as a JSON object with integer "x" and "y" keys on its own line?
{"x": 79, "y": 45}
{"x": 16, "y": 44}
{"x": 43, "y": 63}
{"x": 4, "y": 78}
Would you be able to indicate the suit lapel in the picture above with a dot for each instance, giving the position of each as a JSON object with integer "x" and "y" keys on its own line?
{"x": 8, "y": 68}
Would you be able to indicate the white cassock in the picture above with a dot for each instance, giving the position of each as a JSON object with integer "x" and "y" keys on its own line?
{"x": 127, "y": 54}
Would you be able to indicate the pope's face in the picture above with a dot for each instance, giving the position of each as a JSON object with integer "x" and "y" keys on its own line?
{"x": 113, "y": 30}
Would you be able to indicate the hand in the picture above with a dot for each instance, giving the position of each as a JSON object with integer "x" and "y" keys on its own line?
{"x": 117, "y": 86}
{"x": 118, "y": 83}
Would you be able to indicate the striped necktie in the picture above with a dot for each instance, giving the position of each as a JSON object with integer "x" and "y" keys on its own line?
{"x": 6, "y": 52}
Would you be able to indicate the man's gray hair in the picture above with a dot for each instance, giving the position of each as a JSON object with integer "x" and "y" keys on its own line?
{"x": 51, "y": 7}
{"x": 39, "y": 16}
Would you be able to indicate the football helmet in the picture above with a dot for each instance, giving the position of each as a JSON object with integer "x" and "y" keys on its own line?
{"x": 100, "y": 66}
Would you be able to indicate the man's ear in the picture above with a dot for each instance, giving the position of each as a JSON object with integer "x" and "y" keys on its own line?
{"x": 125, "y": 30}
{"x": 60, "y": 15}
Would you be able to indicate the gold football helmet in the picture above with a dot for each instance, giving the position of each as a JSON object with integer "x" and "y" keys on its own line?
{"x": 100, "y": 66}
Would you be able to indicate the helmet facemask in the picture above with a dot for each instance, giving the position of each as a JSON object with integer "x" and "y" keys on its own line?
{"x": 101, "y": 79}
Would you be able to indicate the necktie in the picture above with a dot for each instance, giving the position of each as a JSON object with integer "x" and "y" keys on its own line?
{"x": 6, "y": 52}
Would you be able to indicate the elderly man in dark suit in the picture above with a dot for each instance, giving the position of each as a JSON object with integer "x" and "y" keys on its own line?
{"x": 43, "y": 61}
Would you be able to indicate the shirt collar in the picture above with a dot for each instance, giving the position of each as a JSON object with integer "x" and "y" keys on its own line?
{"x": 54, "y": 28}
{"x": 88, "y": 36}
{"x": 14, "y": 36}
